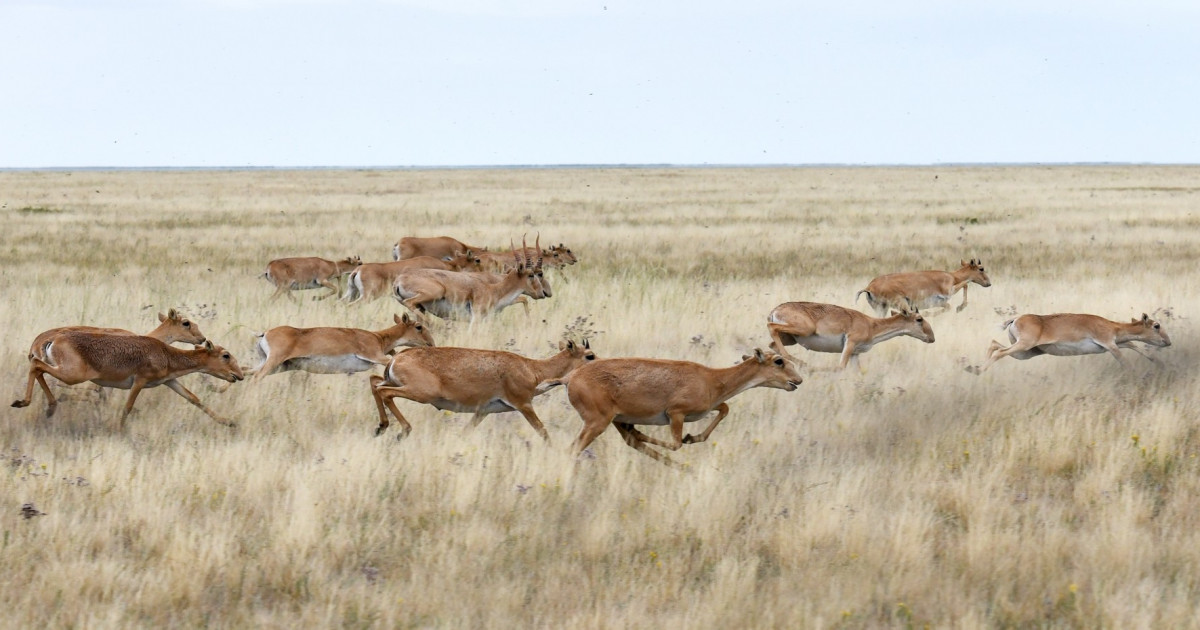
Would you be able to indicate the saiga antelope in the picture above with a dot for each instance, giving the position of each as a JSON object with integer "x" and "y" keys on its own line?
{"x": 627, "y": 391}
{"x": 445, "y": 293}
{"x": 831, "y": 328}
{"x": 290, "y": 274}
{"x": 923, "y": 289}
{"x": 435, "y": 246}
{"x": 127, "y": 362}
{"x": 372, "y": 280}
{"x": 481, "y": 382}
{"x": 1074, "y": 334}
{"x": 334, "y": 350}
{"x": 173, "y": 327}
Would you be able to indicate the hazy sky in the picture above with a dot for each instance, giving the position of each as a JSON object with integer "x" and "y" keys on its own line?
{"x": 447, "y": 82}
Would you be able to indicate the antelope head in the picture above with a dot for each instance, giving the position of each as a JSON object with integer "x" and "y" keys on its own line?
{"x": 219, "y": 363}
{"x": 774, "y": 370}
{"x": 185, "y": 330}
{"x": 1151, "y": 332}
{"x": 915, "y": 325}
{"x": 977, "y": 274}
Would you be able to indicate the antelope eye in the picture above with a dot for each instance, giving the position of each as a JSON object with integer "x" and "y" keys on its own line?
{"x": 920, "y": 319}
{"x": 225, "y": 356}
{"x": 187, "y": 324}
{"x": 589, "y": 357}
{"x": 420, "y": 327}
{"x": 981, "y": 269}
{"x": 1156, "y": 327}
{"x": 778, "y": 361}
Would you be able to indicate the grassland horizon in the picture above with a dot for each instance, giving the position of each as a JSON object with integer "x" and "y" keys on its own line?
{"x": 1049, "y": 492}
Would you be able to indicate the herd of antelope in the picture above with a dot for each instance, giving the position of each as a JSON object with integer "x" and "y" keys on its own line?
{"x": 447, "y": 278}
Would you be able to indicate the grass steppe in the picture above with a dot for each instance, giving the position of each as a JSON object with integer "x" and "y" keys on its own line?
{"x": 1055, "y": 492}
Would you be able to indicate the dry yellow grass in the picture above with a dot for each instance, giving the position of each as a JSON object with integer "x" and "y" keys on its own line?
{"x": 1050, "y": 492}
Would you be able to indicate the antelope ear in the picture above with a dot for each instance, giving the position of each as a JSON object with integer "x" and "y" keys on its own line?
{"x": 163, "y": 318}
{"x": 1145, "y": 318}
{"x": 208, "y": 345}
{"x": 962, "y": 263}
{"x": 587, "y": 345}
{"x": 759, "y": 356}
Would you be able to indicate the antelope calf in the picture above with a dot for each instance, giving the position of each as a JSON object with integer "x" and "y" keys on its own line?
{"x": 126, "y": 362}
{"x": 448, "y": 294}
{"x": 435, "y": 246}
{"x": 923, "y": 289}
{"x": 831, "y": 328}
{"x": 290, "y": 274}
{"x": 626, "y": 392}
{"x": 481, "y": 382}
{"x": 172, "y": 327}
{"x": 1074, "y": 334}
{"x": 334, "y": 350}
{"x": 372, "y": 280}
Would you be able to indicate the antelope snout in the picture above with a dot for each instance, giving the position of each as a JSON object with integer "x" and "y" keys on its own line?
{"x": 792, "y": 385}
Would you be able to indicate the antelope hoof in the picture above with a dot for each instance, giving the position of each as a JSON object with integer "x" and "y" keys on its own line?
{"x": 20, "y": 403}
{"x": 51, "y": 409}
{"x": 690, "y": 439}
{"x": 379, "y": 430}
{"x": 973, "y": 369}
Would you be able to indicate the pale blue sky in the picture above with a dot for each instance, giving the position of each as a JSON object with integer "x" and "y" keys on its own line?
{"x": 425, "y": 82}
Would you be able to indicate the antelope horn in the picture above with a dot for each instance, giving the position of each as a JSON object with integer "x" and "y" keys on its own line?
{"x": 537, "y": 244}
{"x": 524, "y": 251}
{"x": 514, "y": 251}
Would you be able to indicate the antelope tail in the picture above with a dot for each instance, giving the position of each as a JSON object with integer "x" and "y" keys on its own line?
{"x": 354, "y": 289}
{"x": 857, "y": 295}
{"x": 1007, "y": 323}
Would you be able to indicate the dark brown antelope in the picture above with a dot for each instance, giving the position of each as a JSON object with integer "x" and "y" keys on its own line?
{"x": 626, "y": 392}
{"x": 126, "y": 362}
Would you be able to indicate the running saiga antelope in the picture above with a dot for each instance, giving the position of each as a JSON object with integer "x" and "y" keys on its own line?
{"x": 126, "y": 362}
{"x": 290, "y": 274}
{"x": 372, "y": 280}
{"x": 334, "y": 350}
{"x": 628, "y": 391}
{"x": 173, "y": 327}
{"x": 830, "y": 328}
{"x": 923, "y": 289}
{"x": 1074, "y": 334}
{"x": 447, "y": 294}
{"x": 470, "y": 380}
{"x": 435, "y": 246}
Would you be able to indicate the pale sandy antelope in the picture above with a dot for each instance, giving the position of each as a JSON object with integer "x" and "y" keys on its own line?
{"x": 173, "y": 327}
{"x": 1074, "y": 334}
{"x": 469, "y": 380}
{"x": 830, "y": 328}
{"x": 126, "y": 362}
{"x": 449, "y": 294}
{"x": 334, "y": 350}
{"x": 436, "y": 246}
{"x": 923, "y": 289}
{"x": 290, "y": 274}
{"x": 626, "y": 392}
{"x": 373, "y": 280}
